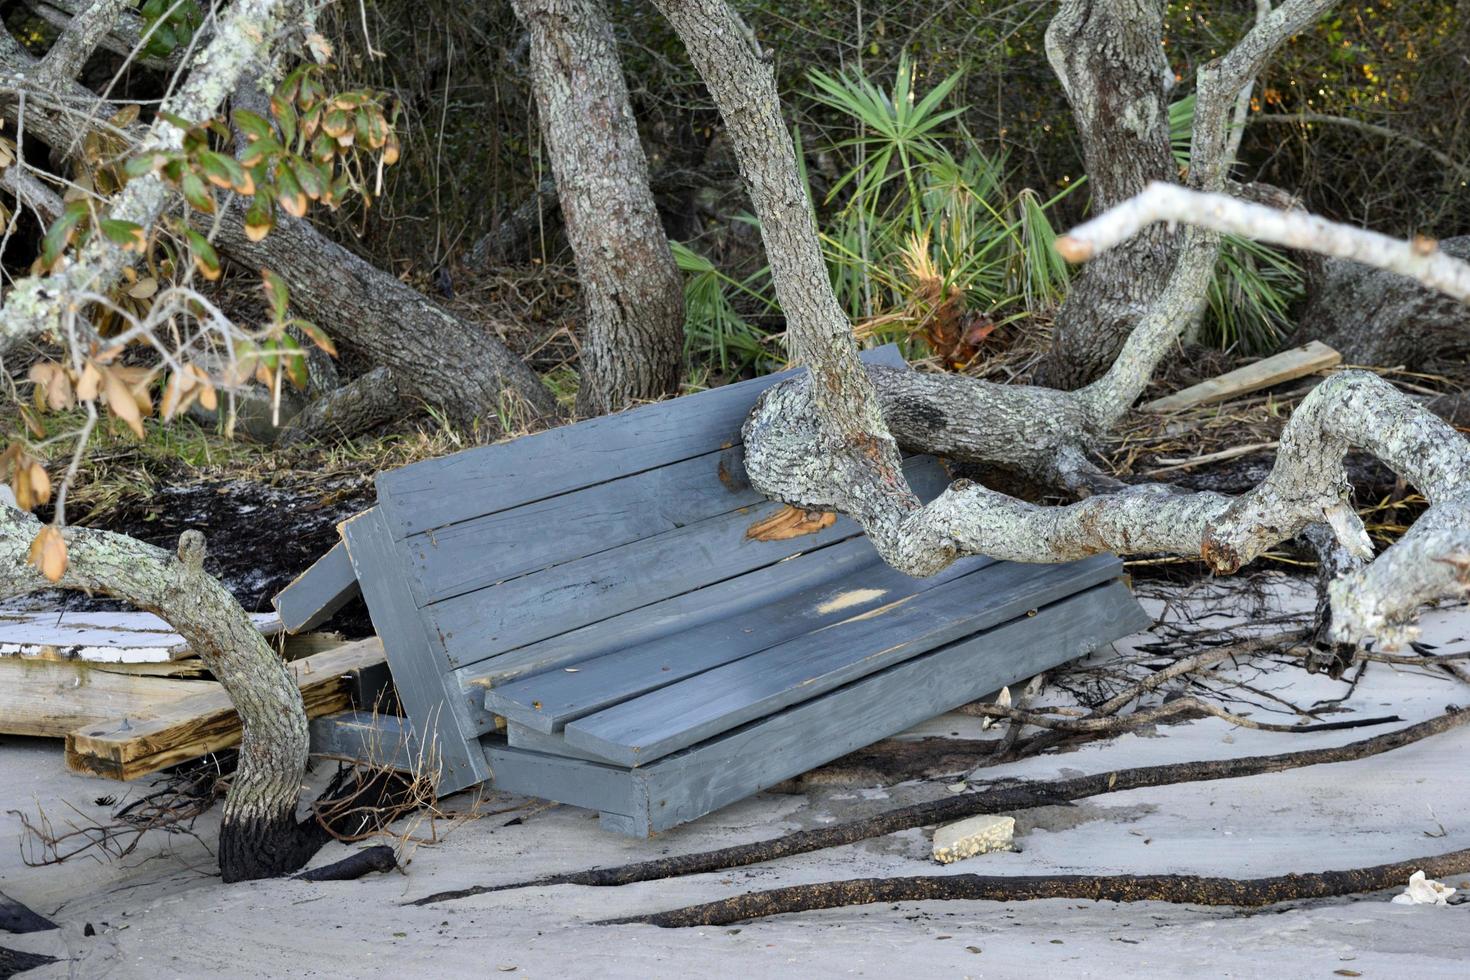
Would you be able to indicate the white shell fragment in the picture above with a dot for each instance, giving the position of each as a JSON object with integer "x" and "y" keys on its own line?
{"x": 977, "y": 835}
{"x": 1422, "y": 891}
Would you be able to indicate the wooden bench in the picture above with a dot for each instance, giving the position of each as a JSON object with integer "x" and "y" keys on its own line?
{"x": 592, "y": 615}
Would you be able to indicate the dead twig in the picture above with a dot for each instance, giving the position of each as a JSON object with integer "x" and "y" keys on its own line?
{"x": 1179, "y": 889}
{"x": 1007, "y": 800}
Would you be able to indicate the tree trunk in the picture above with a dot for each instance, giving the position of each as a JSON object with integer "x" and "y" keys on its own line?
{"x": 1109, "y": 57}
{"x": 633, "y": 344}
{"x": 435, "y": 356}
{"x": 1373, "y": 316}
{"x": 259, "y": 837}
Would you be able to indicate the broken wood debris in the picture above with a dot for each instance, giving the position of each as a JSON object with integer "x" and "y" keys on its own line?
{"x": 1274, "y": 370}
{"x": 129, "y": 747}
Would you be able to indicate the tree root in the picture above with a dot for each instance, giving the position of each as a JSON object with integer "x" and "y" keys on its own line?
{"x": 13, "y": 961}
{"x": 1005, "y": 800}
{"x": 380, "y": 857}
{"x": 15, "y": 917}
{"x": 1179, "y": 889}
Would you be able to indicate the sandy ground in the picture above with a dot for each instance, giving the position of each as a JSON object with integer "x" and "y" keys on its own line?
{"x": 160, "y": 913}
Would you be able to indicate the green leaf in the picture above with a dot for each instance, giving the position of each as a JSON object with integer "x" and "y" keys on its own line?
{"x": 285, "y": 114}
{"x": 124, "y": 233}
{"x": 289, "y": 194}
{"x": 61, "y": 232}
{"x": 145, "y": 164}
{"x": 295, "y": 361}
{"x": 206, "y": 259}
{"x": 260, "y": 150}
{"x": 253, "y": 125}
{"x": 311, "y": 178}
{"x": 316, "y": 335}
{"x": 196, "y": 193}
{"x": 276, "y": 293}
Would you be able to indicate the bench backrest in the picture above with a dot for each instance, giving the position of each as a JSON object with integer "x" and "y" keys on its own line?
{"x": 591, "y": 535}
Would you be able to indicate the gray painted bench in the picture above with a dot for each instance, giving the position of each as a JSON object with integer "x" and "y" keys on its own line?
{"x": 586, "y": 615}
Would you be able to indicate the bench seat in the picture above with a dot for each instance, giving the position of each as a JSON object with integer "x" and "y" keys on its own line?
{"x": 599, "y": 615}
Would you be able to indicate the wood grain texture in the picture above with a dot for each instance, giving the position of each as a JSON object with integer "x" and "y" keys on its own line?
{"x": 488, "y": 479}
{"x": 479, "y": 625}
{"x": 743, "y": 595}
{"x": 377, "y": 739}
{"x": 656, "y": 724}
{"x": 547, "y": 701}
{"x": 127, "y": 637}
{"x": 1285, "y": 366}
{"x": 311, "y": 599}
{"x": 49, "y": 698}
{"x": 688, "y": 784}
{"x": 443, "y": 717}
{"x": 127, "y": 748}
{"x": 692, "y": 783}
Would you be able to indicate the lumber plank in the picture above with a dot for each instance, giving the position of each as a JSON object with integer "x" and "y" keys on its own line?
{"x": 317, "y": 593}
{"x": 368, "y": 736}
{"x": 473, "y": 554}
{"x": 479, "y": 625}
{"x": 656, "y": 724}
{"x": 716, "y": 773}
{"x": 438, "y": 492}
{"x": 127, "y": 748}
{"x": 444, "y": 718}
{"x": 553, "y": 777}
{"x": 545, "y": 702}
{"x": 742, "y": 595}
{"x": 49, "y": 698}
{"x": 101, "y": 636}
{"x": 1285, "y": 366}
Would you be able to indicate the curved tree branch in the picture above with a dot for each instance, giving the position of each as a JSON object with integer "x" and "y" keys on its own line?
{"x": 259, "y": 836}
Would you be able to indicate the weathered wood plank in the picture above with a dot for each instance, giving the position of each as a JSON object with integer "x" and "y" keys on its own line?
{"x": 438, "y": 492}
{"x": 520, "y": 737}
{"x": 48, "y": 698}
{"x": 375, "y": 739}
{"x": 656, "y": 724}
{"x": 317, "y": 593}
{"x": 442, "y": 715}
{"x": 127, "y": 748}
{"x": 102, "y": 637}
{"x": 551, "y": 777}
{"x": 1285, "y": 366}
{"x": 547, "y": 701}
{"x": 470, "y": 555}
{"x": 479, "y": 625}
{"x": 732, "y": 597}
{"x": 716, "y": 773}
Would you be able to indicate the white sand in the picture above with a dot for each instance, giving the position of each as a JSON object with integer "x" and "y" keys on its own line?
{"x": 160, "y": 913}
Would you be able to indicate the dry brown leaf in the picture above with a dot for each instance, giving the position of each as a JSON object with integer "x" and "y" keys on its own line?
{"x": 40, "y": 483}
{"x": 790, "y": 522}
{"x": 145, "y": 289}
{"x": 89, "y": 383}
{"x": 122, "y": 403}
{"x": 48, "y": 553}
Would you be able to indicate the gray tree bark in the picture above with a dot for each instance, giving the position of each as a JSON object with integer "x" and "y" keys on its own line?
{"x": 259, "y": 837}
{"x": 632, "y": 347}
{"x": 1109, "y": 57}
{"x": 1373, "y": 316}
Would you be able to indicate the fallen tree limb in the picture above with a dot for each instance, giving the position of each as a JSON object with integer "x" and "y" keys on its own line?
{"x": 379, "y": 857}
{"x": 1179, "y": 889}
{"x": 15, "y": 917}
{"x": 950, "y": 808}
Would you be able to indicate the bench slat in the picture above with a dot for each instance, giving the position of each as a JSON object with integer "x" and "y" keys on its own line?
{"x": 730, "y": 767}
{"x": 481, "y": 624}
{"x": 470, "y": 555}
{"x": 438, "y": 492}
{"x": 675, "y": 717}
{"x": 547, "y": 701}
{"x": 732, "y": 597}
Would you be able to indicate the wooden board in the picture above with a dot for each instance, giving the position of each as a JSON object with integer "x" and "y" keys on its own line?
{"x": 547, "y": 701}
{"x": 127, "y": 748}
{"x": 367, "y": 736}
{"x": 733, "y": 597}
{"x": 1285, "y": 366}
{"x": 438, "y": 492}
{"x": 50, "y": 698}
{"x": 317, "y": 593}
{"x": 479, "y": 625}
{"x": 722, "y": 770}
{"x": 656, "y": 724}
{"x": 430, "y": 695}
{"x": 101, "y": 637}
